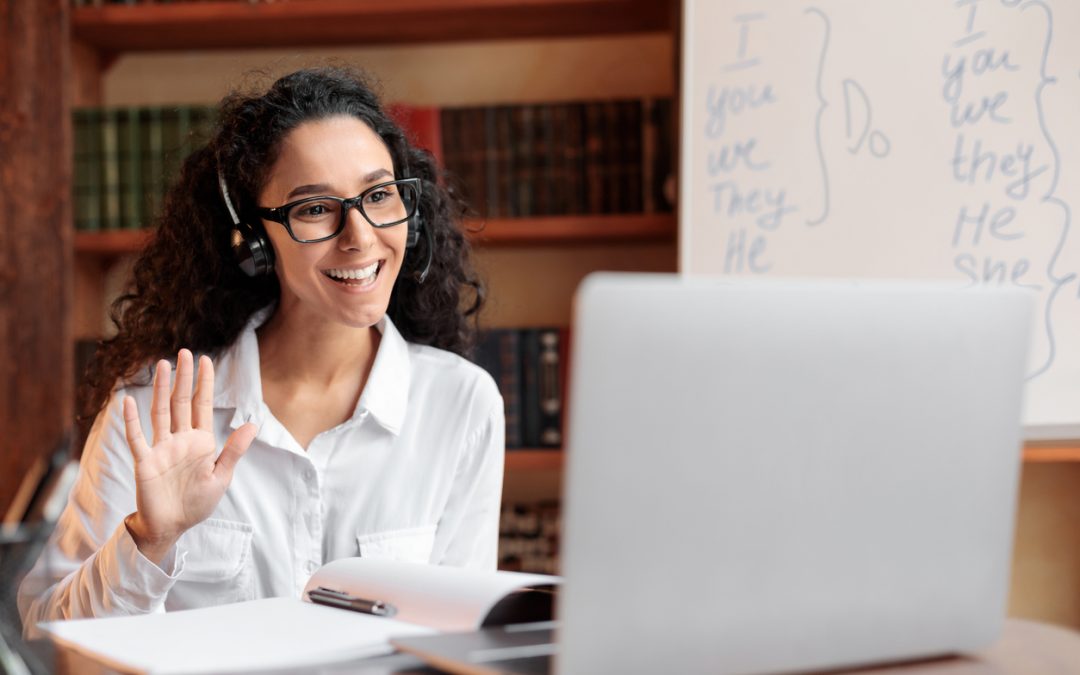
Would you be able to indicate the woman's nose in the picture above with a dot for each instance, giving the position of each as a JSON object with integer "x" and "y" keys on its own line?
{"x": 358, "y": 234}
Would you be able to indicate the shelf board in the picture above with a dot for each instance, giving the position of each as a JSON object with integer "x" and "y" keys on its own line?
{"x": 112, "y": 243}
{"x": 237, "y": 25}
{"x": 1049, "y": 452}
{"x": 525, "y": 459}
{"x": 494, "y": 232}
{"x": 572, "y": 229}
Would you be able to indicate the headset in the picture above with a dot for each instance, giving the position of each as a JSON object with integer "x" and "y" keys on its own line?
{"x": 255, "y": 255}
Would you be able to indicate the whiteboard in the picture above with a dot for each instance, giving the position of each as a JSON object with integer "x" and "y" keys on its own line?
{"x": 929, "y": 139}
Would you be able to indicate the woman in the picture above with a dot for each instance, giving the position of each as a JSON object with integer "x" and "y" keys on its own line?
{"x": 311, "y": 251}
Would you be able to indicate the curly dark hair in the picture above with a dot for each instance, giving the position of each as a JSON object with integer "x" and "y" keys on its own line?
{"x": 187, "y": 290}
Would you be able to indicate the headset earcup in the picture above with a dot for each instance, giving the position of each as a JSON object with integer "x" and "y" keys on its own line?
{"x": 415, "y": 225}
{"x": 254, "y": 254}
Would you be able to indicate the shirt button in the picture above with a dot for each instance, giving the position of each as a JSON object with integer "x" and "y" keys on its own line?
{"x": 309, "y": 474}
{"x": 311, "y": 566}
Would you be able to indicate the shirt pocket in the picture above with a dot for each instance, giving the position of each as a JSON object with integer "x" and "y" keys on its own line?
{"x": 218, "y": 561}
{"x": 413, "y": 544}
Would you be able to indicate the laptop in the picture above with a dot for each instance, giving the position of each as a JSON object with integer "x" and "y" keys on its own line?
{"x": 780, "y": 476}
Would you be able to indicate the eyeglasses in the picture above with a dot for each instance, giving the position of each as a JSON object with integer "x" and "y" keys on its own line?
{"x": 315, "y": 219}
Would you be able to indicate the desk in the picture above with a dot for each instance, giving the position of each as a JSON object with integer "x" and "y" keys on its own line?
{"x": 1025, "y": 648}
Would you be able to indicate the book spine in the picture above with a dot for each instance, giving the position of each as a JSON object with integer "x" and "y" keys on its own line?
{"x": 594, "y": 157}
{"x": 530, "y": 387}
{"x": 170, "y": 149}
{"x": 611, "y": 161}
{"x": 543, "y": 161}
{"x": 578, "y": 189}
{"x": 523, "y": 160}
{"x": 93, "y": 169}
{"x": 664, "y": 165}
{"x": 491, "y": 166}
{"x": 473, "y": 138}
{"x": 153, "y": 166}
{"x": 505, "y": 163}
{"x": 497, "y": 352}
{"x": 422, "y": 127}
{"x": 110, "y": 169}
{"x": 550, "y": 381}
{"x": 451, "y": 147}
{"x": 132, "y": 181}
{"x": 632, "y": 162}
{"x": 648, "y": 156}
{"x": 510, "y": 385}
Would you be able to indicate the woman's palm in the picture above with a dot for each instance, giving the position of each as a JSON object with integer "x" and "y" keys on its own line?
{"x": 180, "y": 480}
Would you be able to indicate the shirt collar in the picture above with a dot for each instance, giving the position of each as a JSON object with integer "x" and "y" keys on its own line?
{"x": 239, "y": 383}
{"x": 385, "y": 395}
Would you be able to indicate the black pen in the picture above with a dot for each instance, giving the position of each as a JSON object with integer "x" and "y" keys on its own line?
{"x": 328, "y": 596}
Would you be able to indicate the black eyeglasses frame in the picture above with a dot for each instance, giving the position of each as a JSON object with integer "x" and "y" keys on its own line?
{"x": 280, "y": 214}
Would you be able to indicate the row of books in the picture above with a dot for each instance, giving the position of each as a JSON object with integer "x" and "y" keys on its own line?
{"x": 594, "y": 157}
{"x": 125, "y": 159}
{"x": 529, "y": 537}
{"x": 529, "y": 366}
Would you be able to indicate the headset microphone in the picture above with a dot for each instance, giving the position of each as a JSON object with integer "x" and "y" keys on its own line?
{"x": 430, "y": 252}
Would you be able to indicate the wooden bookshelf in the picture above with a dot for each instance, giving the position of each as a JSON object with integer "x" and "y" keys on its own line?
{"x": 236, "y": 25}
{"x": 495, "y": 232}
{"x": 525, "y": 459}
{"x": 573, "y": 229}
{"x": 112, "y": 242}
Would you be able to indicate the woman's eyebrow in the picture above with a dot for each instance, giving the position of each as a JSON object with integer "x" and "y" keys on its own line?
{"x": 316, "y": 189}
{"x": 324, "y": 189}
{"x": 377, "y": 174}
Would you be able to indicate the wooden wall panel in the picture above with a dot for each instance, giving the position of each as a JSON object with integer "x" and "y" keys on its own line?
{"x": 36, "y": 382}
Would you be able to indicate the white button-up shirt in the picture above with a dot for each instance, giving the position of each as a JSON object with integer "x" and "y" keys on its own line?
{"x": 415, "y": 474}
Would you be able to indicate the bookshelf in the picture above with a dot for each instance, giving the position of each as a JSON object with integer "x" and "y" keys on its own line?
{"x": 549, "y": 230}
{"x": 104, "y": 38}
{"x": 233, "y": 25}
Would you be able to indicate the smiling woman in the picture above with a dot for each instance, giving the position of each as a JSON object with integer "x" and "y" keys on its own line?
{"x": 312, "y": 259}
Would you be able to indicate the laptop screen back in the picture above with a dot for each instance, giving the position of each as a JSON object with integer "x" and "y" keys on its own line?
{"x": 769, "y": 476}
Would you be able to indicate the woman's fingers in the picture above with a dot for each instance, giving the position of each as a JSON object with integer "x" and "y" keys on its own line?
{"x": 181, "y": 394}
{"x": 159, "y": 406}
{"x": 238, "y": 443}
{"x": 135, "y": 438}
{"x": 203, "y": 410}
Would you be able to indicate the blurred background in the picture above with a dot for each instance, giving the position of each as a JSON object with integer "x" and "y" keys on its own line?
{"x": 556, "y": 118}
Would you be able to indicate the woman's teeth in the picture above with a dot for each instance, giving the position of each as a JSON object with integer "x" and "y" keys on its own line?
{"x": 363, "y": 275}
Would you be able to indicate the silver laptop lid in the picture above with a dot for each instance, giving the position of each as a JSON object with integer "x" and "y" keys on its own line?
{"x": 770, "y": 476}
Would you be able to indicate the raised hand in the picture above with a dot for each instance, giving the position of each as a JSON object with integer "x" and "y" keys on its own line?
{"x": 178, "y": 481}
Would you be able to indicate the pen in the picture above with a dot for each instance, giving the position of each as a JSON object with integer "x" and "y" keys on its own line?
{"x": 332, "y": 598}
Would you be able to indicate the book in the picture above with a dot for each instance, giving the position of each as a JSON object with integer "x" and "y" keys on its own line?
{"x": 542, "y": 387}
{"x": 498, "y": 352}
{"x": 422, "y": 126}
{"x": 110, "y": 170}
{"x": 282, "y": 633}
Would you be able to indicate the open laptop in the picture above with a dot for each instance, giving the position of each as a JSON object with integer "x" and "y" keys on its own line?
{"x": 784, "y": 476}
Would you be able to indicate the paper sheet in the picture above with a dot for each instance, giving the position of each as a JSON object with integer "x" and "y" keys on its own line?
{"x": 259, "y": 635}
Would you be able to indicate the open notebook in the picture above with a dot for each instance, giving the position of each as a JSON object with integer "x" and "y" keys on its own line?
{"x": 280, "y": 633}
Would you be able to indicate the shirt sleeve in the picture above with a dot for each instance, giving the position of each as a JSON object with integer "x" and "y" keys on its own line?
{"x": 90, "y": 566}
{"x": 468, "y": 532}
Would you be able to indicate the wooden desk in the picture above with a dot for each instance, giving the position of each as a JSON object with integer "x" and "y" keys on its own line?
{"x": 1025, "y": 648}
